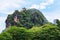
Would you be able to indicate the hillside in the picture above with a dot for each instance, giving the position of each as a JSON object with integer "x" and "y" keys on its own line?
{"x": 30, "y": 24}
{"x": 26, "y": 18}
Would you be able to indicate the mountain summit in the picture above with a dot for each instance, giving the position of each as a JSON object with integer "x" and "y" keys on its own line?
{"x": 26, "y": 18}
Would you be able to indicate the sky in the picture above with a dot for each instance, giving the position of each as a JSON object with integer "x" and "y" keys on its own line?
{"x": 49, "y": 8}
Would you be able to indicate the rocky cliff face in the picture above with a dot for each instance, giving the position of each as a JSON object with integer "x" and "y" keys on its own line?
{"x": 26, "y": 18}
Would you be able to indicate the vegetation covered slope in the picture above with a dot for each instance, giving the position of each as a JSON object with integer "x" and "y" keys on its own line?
{"x": 26, "y": 18}
{"x": 18, "y": 22}
{"x": 45, "y": 32}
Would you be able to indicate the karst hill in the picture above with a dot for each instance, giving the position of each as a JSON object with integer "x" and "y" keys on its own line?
{"x": 26, "y": 18}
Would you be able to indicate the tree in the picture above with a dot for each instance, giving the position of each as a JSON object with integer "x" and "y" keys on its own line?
{"x": 5, "y": 36}
{"x": 27, "y": 18}
{"x": 57, "y": 22}
{"x": 45, "y": 32}
{"x": 18, "y": 33}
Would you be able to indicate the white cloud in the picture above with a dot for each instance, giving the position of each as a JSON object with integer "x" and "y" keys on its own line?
{"x": 50, "y": 1}
{"x": 52, "y": 15}
{"x": 35, "y": 6}
{"x": 2, "y": 24}
{"x": 5, "y": 5}
{"x": 42, "y": 5}
{"x": 2, "y": 19}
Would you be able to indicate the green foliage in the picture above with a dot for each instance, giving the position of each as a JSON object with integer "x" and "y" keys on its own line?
{"x": 57, "y": 22}
{"x": 19, "y": 33}
{"x": 27, "y": 18}
{"x": 5, "y": 36}
{"x": 45, "y": 32}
